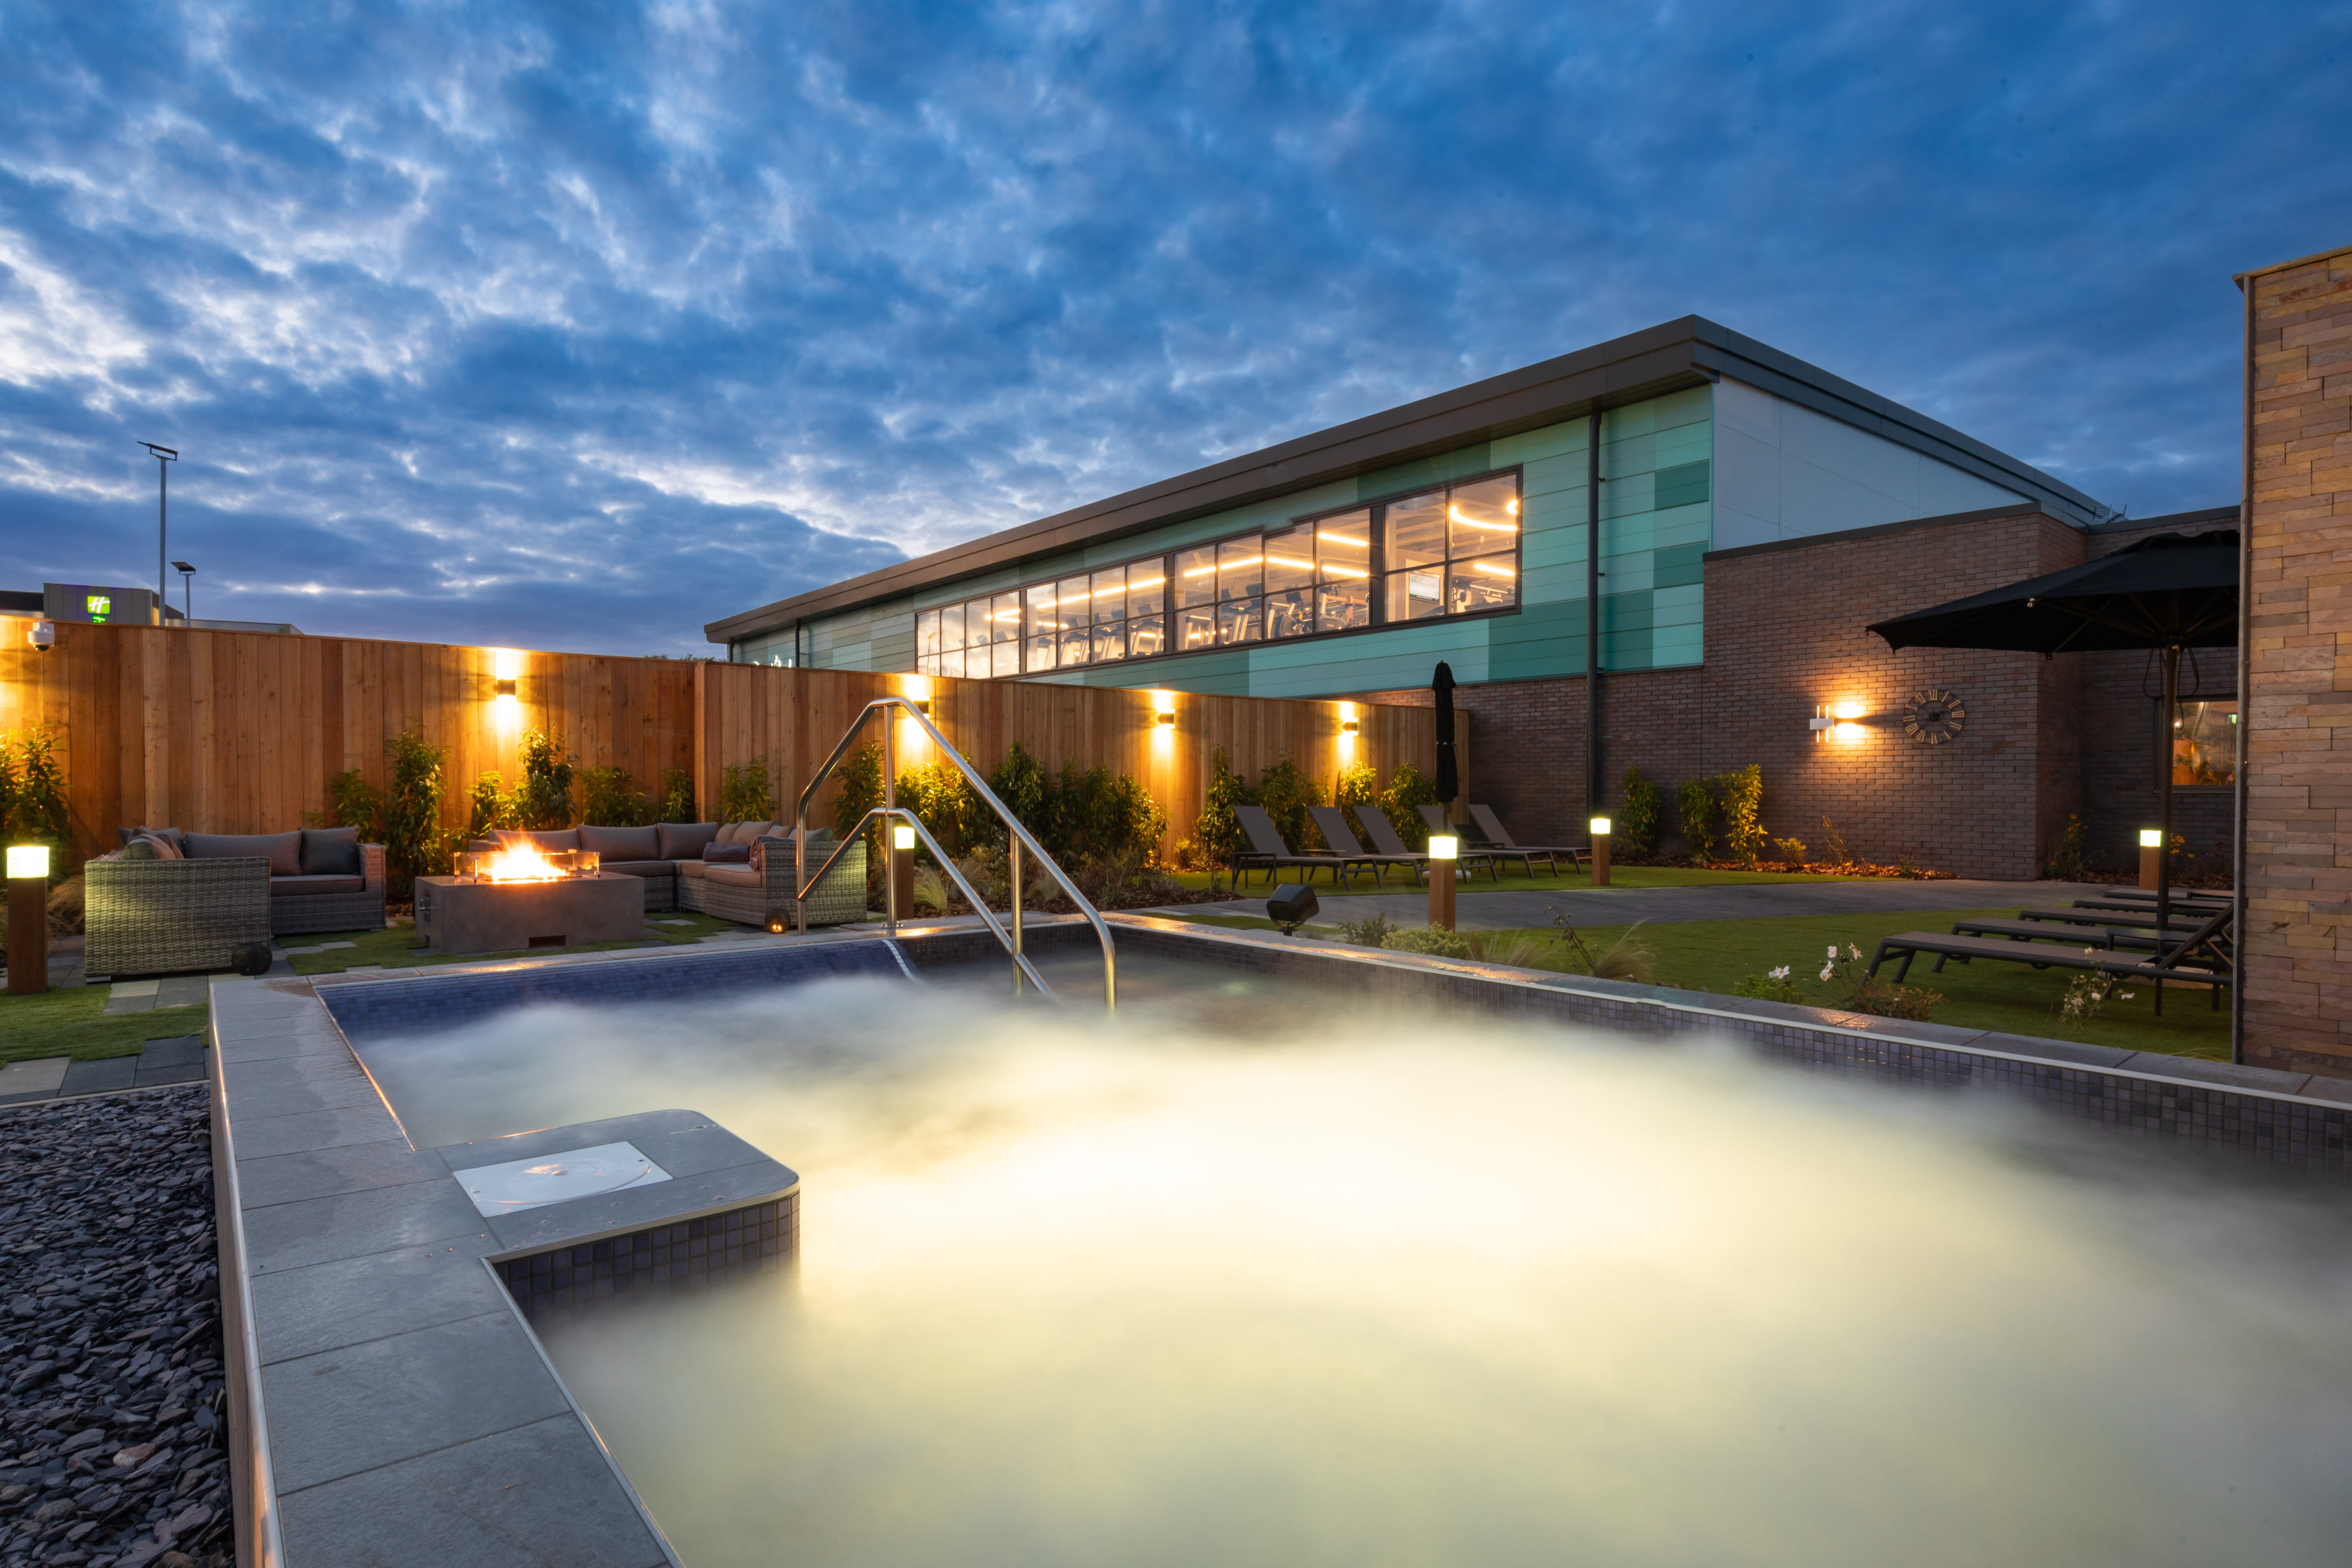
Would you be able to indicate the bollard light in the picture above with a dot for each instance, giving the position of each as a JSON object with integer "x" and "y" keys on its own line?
{"x": 2151, "y": 856}
{"x": 28, "y": 917}
{"x": 1444, "y": 847}
{"x": 1599, "y": 824}
{"x": 2149, "y": 838}
{"x": 28, "y": 860}
{"x": 902, "y": 836}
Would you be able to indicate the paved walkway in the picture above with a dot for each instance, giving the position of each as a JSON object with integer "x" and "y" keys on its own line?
{"x": 180, "y": 1060}
{"x": 1511, "y": 908}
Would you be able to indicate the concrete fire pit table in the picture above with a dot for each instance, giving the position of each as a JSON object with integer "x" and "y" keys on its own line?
{"x": 463, "y": 915}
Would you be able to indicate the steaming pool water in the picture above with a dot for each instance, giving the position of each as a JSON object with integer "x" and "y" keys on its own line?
{"x": 1251, "y": 1275}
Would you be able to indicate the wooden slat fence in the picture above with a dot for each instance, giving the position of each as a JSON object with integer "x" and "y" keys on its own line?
{"x": 239, "y": 732}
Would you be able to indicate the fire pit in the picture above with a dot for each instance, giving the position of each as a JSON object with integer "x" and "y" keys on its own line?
{"x": 518, "y": 896}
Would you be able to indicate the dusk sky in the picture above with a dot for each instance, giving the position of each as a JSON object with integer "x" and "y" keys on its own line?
{"x": 575, "y": 327}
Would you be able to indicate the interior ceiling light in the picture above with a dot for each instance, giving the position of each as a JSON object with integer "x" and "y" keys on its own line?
{"x": 1343, "y": 539}
{"x": 1489, "y": 566}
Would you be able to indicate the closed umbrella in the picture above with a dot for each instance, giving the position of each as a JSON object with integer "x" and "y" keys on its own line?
{"x": 2167, "y": 591}
{"x": 1449, "y": 771}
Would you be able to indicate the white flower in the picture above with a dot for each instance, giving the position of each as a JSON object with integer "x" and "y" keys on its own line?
{"x": 1833, "y": 950}
{"x": 1855, "y": 951}
{"x": 2124, "y": 996}
{"x": 1828, "y": 970}
{"x": 1782, "y": 973}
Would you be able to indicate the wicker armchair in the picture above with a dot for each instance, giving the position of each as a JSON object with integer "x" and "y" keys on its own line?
{"x": 363, "y": 911}
{"x": 747, "y": 899}
{"x": 172, "y": 916}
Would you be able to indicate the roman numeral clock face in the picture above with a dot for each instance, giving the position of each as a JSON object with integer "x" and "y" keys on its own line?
{"x": 1934, "y": 716}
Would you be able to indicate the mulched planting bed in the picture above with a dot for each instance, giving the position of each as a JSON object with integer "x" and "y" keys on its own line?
{"x": 114, "y": 1448}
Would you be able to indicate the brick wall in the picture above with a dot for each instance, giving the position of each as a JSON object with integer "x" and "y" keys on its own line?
{"x": 2297, "y": 944}
{"x": 1786, "y": 631}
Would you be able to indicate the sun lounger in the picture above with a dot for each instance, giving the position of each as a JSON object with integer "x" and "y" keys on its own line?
{"x": 2171, "y": 964}
{"x": 1332, "y": 823}
{"x": 1499, "y": 837}
{"x": 2047, "y": 931}
{"x": 1383, "y": 835}
{"x": 1269, "y": 854}
{"x": 2183, "y": 920}
{"x": 1435, "y": 815}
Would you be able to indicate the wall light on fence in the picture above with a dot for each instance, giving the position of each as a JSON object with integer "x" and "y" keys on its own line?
{"x": 28, "y": 860}
{"x": 1163, "y": 717}
{"x": 901, "y": 836}
{"x": 1350, "y": 726}
{"x": 1444, "y": 847}
{"x": 505, "y": 688}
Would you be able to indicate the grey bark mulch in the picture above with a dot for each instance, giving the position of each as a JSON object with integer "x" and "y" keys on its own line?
{"x": 112, "y": 1416}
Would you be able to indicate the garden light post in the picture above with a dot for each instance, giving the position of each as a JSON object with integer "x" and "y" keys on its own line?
{"x": 28, "y": 917}
{"x": 1444, "y": 850}
{"x": 902, "y": 870}
{"x": 187, "y": 592}
{"x": 2151, "y": 856}
{"x": 1599, "y": 851}
{"x": 164, "y": 456}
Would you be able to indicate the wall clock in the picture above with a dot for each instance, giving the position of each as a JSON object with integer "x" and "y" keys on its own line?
{"x": 1934, "y": 716}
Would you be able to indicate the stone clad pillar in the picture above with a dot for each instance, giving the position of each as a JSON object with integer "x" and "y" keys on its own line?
{"x": 2297, "y": 870}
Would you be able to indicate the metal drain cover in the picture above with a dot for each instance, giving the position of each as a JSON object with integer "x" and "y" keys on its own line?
{"x": 521, "y": 1185}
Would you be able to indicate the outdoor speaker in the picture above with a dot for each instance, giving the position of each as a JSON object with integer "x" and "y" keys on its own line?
{"x": 249, "y": 958}
{"x": 1291, "y": 907}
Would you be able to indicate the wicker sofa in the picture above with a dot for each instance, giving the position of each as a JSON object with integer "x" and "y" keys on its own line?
{"x": 668, "y": 858}
{"x": 172, "y": 916}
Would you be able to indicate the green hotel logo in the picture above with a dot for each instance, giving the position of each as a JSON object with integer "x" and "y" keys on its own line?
{"x": 100, "y": 606}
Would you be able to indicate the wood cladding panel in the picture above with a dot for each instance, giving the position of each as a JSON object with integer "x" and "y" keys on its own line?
{"x": 239, "y": 732}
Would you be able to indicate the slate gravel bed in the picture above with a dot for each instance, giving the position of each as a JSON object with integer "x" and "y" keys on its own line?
{"x": 113, "y": 1451}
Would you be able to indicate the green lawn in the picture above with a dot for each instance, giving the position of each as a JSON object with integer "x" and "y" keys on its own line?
{"x": 1712, "y": 955}
{"x": 1515, "y": 877}
{"x": 70, "y": 1024}
{"x": 395, "y": 948}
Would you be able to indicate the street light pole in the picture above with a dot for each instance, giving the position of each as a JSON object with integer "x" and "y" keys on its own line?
{"x": 163, "y": 455}
{"x": 187, "y": 593}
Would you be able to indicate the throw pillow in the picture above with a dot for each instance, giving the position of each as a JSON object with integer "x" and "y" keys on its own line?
{"x": 330, "y": 852}
{"x": 164, "y": 849}
{"x": 726, "y": 854}
{"x": 140, "y": 848}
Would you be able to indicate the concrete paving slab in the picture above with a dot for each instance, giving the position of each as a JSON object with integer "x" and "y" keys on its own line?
{"x": 541, "y": 1493}
{"x": 329, "y": 1172}
{"x": 100, "y": 1077}
{"x": 34, "y": 1080}
{"x": 302, "y": 1131}
{"x": 352, "y": 1224}
{"x": 350, "y": 1300}
{"x": 179, "y": 1051}
{"x": 394, "y": 1398}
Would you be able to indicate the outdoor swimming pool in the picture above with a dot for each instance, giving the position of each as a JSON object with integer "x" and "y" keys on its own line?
{"x": 1260, "y": 1273}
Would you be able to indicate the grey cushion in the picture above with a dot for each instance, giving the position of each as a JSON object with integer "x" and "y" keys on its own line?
{"x": 683, "y": 840}
{"x": 640, "y": 867}
{"x": 734, "y": 875}
{"x": 620, "y": 843}
{"x": 297, "y": 887}
{"x": 284, "y": 850}
{"x": 330, "y": 852}
{"x": 745, "y": 832}
{"x": 555, "y": 838}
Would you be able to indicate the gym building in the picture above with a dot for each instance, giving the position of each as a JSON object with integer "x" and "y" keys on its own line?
{"x": 1658, "y": 552}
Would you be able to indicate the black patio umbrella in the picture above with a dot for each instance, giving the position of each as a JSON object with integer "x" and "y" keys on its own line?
{"x": 1449, "y": 771}
{"x": 2167, "y": 591}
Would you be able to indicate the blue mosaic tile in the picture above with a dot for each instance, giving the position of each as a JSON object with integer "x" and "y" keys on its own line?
{"x": 382, "y": 1007}
{"x": 660, "y": 1260}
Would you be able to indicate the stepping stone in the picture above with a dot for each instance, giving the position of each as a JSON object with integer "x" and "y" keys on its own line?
{"x": 176, "y": 1060}
{"x": 306, "y": 952}
{"x": 181, "y": 990}
{"x": 34, "y": 1080}
{"x": 331, "y": 946}
{"x": 673, "y": 923}
{"x": 99, "y": 1077}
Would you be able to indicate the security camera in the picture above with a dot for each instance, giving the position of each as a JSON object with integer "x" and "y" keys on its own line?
{"x": 45, "y": 635}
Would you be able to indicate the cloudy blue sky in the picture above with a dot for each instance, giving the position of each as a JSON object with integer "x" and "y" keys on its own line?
{"x": 574, "y": 326}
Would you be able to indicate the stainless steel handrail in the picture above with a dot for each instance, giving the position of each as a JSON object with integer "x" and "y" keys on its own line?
{"x": 890, "y": 810}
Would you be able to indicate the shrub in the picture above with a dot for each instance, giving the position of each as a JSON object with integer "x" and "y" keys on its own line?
{"x": 941, "y": 799}
{"x": 1879, "y": 998}
{"x": 2067, "y": 862}
{"x": 1372, "y": 931}
{"x": 1833, "y": 844}
{"x": 607, "y": 801}
{"x": 1286, "y": 790}
{"x": 861, "y": 792}
{"x": 1358, "y": 785}
{"x": 1097, "y": 814}
{"x": 1219, "y": 831}
{"x": 930, "y": 890}
{"x": 1408, "y": 790}
{"x": 543, "y": 800}
{"x": 1775, "y": 986}
{"x": 677, "y": 796}
{"x": 1633, "y": 833}
{"x": 1695, "y": 798}
{"x": 1433, "y": 942}
{"x": 37, "y": 793}
{"x": 1742, "y": 791}
{"x": 352, "y": 802}
{"x": 1629, "y": 958}
{"x": 1022, "y": 783}
{"x": 1517, "y": 949}
{"x": 745, "y": 793}
{"x": 413, "y": 844}
{"x": 1792, "y": 852}
{"x": 491, "y": 807}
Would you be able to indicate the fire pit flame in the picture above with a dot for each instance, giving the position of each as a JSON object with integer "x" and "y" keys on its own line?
{"x": 517, "y": 860}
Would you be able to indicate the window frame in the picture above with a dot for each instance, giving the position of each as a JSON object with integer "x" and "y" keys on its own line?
{"x": 2164, "y": 743}
{"x": 1172, "y": 612}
